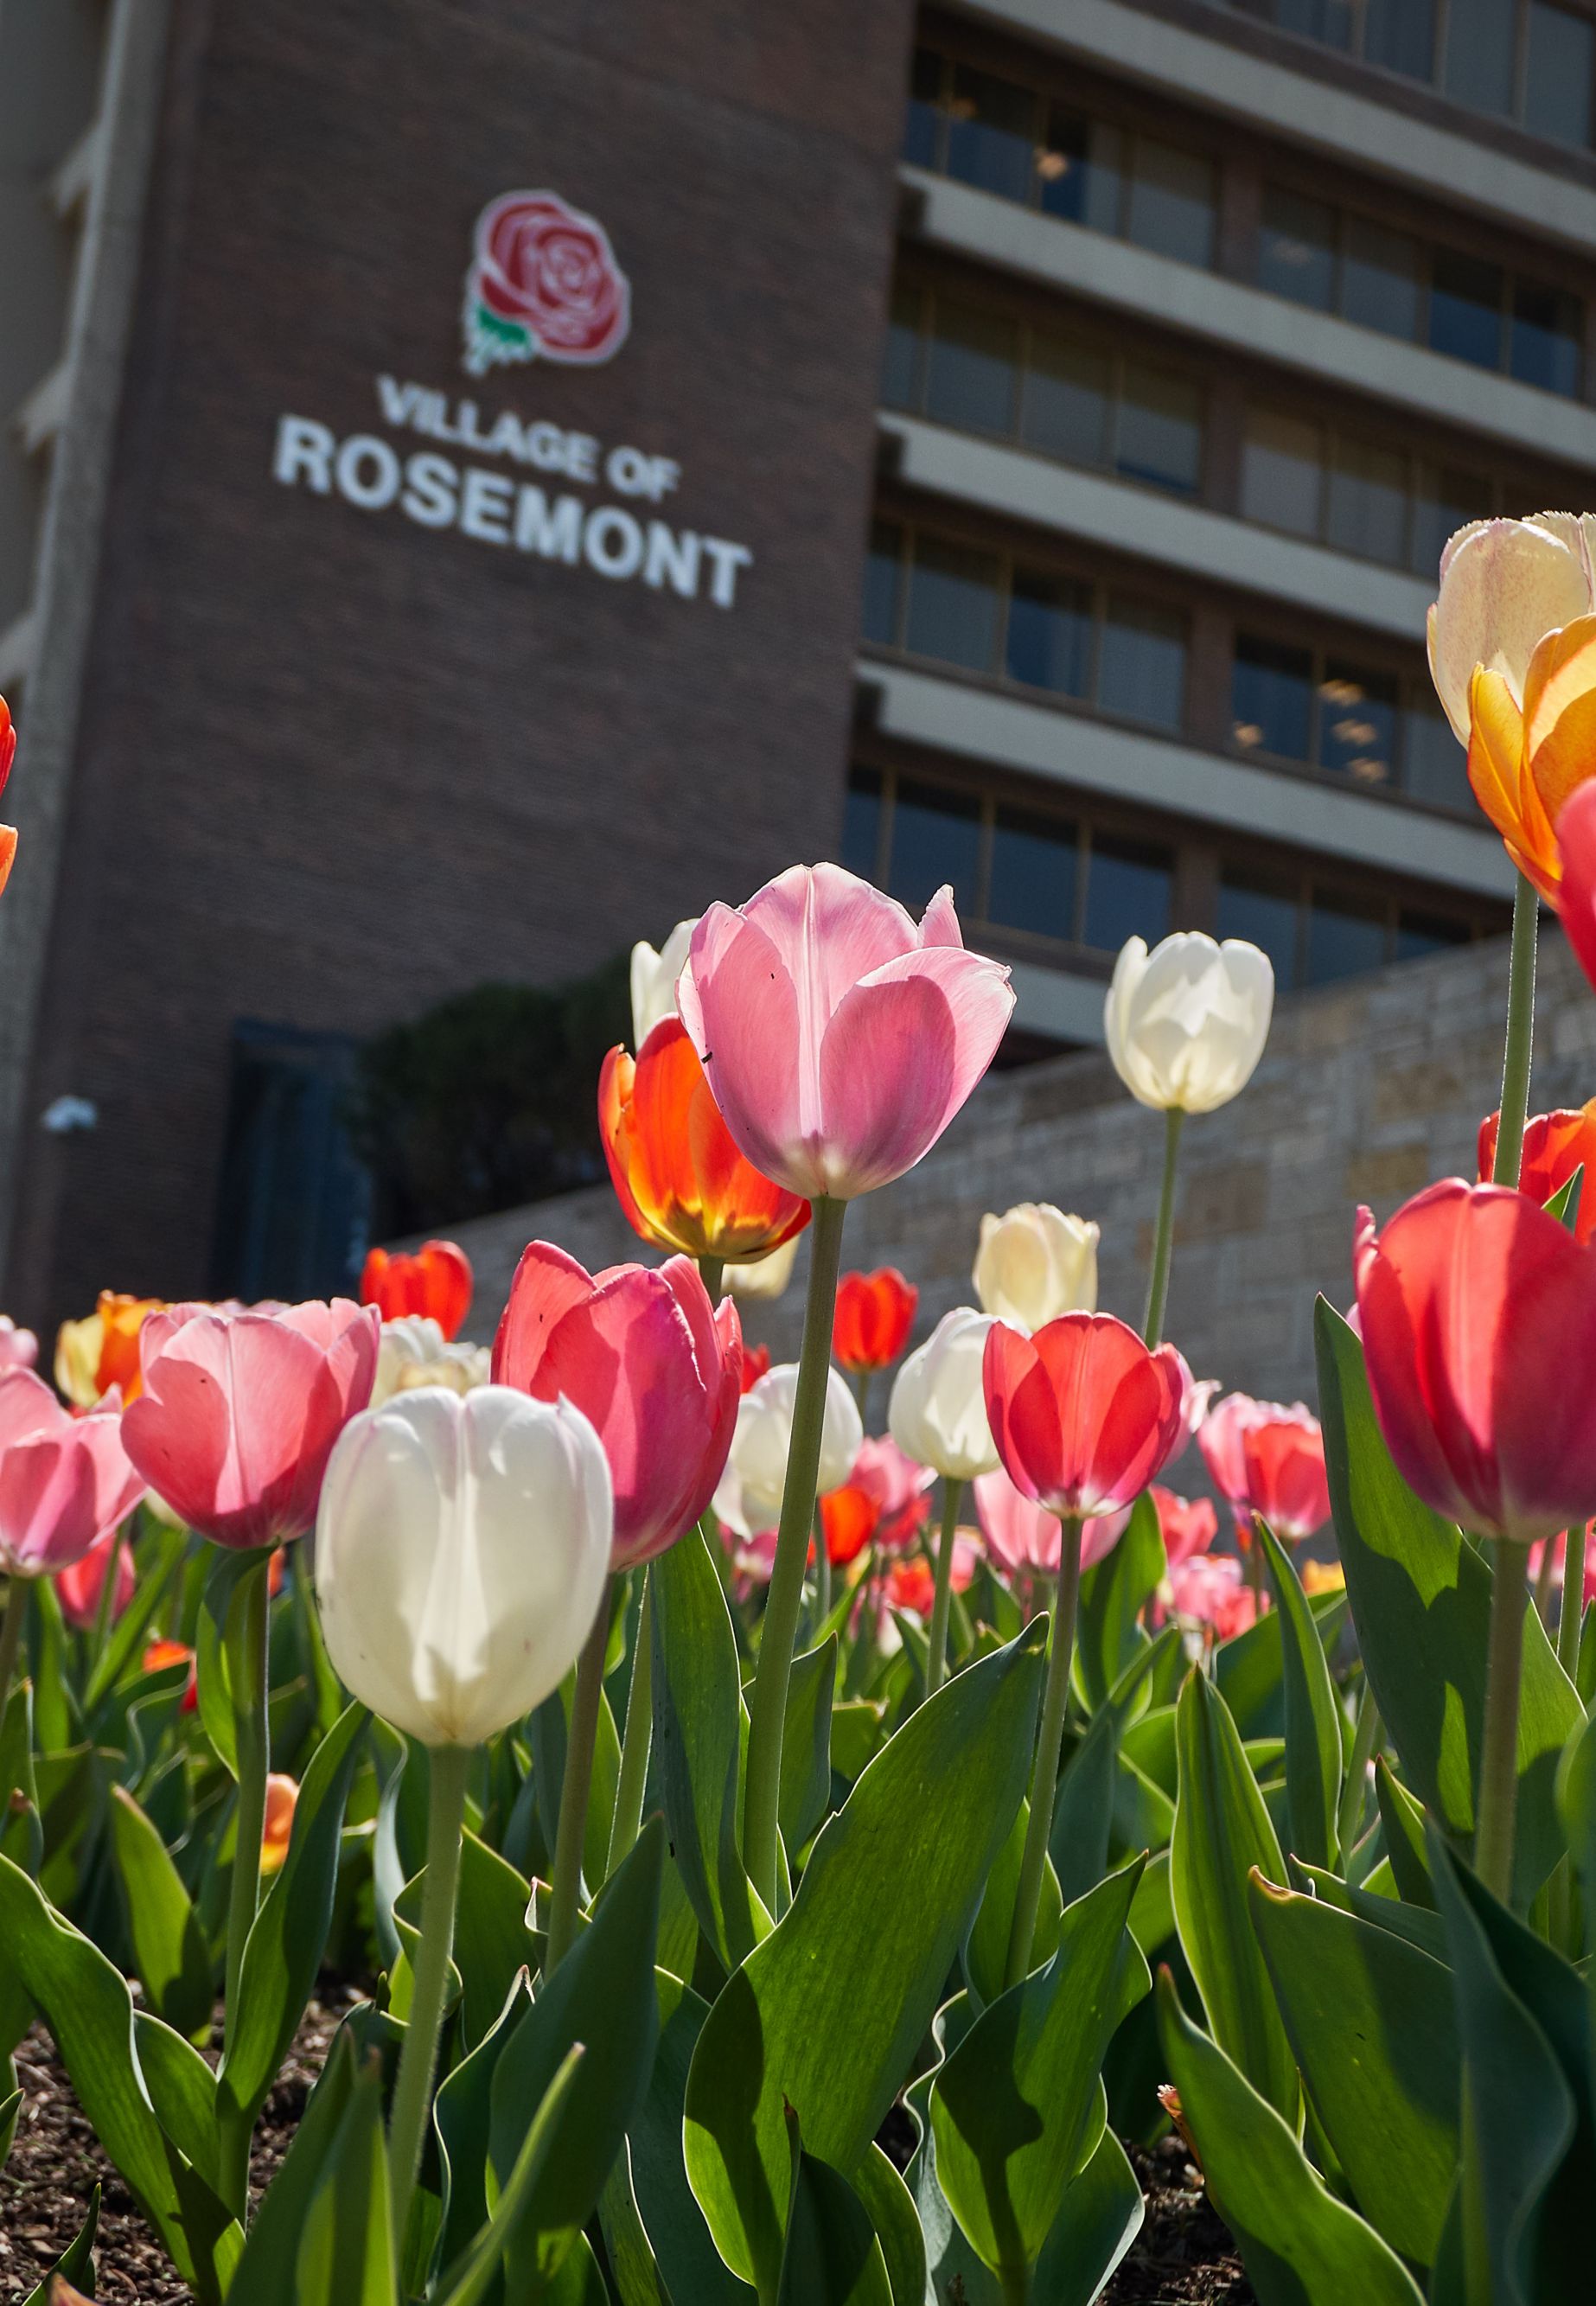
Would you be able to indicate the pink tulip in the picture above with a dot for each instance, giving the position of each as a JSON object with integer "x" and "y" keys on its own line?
{"x": 64, "y": 1481}
{"x": 239, "y": 1411}
{"x": 1023, "y": 1535}
{"x": 839, "y": 1040}
{"x": 1560, "y": 1547}
{"x": 644, "y": 1355}
{"x": 1083, "y": 1414}
{"x": 898, "y": 1488}
{"x": 1283, "y": 1451}
{"x": 1187, "y": 1525}
{"x": 1197, "y": 1397}
{"x": 1576, "y": 892}
{"x": 19, "y": 1348}
{"x": 1221, "y": 1438}
{"x": 1208, "y": 1590}
{"x": 79, "y": 1588}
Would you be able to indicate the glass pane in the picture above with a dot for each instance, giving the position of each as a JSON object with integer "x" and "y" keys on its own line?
{"x": 992, "y": 134}
{"x": 1033, "y": 874}
{"x": 1557, "y": 79}
{"x": 1479, "y": 54}
{"x": 1064, "y": 405}
{"x": 899, "y": 377}
{"x": 1128, "y": 886}
{"x": 953, "y": 604}
{"x": 1418, "y": 933}
{"x": 1143, "y": 670}
{"x": 1172, "y": 202}
{"x": 923, "y": 125}
{"x": 1345, "y": 937}
{"x": 1049, "y": 641}
{"x": 861, "y": 825}
{"x": 1329, "y": 22}
{"x": 1297, "y": 248}
{"x": 1160, "y": 429}
{"x": 1369, "y": 501}
{"x": 1080, "y": 166}
{"x": 1465, "y": 308}
{"x": 1448, "y": 500}
{"x": 1400, "y": 35}
{"x": 1271, "y": 698}
{"x": 936, "y": 837}
{"x": 1434, "y": 764}
{"x": 1380, "y": 279}
{"x": 883, "y": 582}
{"x": 970, "y": 364}
{"x": 1282, "y": 459}
{"x": 1357, "y": 723}
{"x": 1262, "y": 908}
{"x": 1547, "y": 329}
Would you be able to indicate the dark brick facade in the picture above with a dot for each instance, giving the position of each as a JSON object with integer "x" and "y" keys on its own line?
{"x": 336, "y": 765}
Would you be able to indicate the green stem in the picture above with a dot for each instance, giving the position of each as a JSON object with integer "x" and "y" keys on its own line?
{"x": 1572, "y": 1610}
{"x": 449, "y": 1768}
{"x": 1349, "y": 1818}
{"x": 712, "y": 1272}
{"x": 1056, "y": 1697}
{"x": 11, "y": 1640}
{"x": 1253, "y": 1563}
{"x": 248, "y": 1624}
{"x": 767, "y": 1716}
{"x": 565, "y": 1902}
{"x": 104, "y": 1607}
{"x": 1152, "y": 1327}
{"x": 936, "y": 1662}
{"x": 1498, "y": 1758}
{"x": 861, "y": 1385}
{"x": 634, "y": 1744}
{"x": 1521, "y": 1033}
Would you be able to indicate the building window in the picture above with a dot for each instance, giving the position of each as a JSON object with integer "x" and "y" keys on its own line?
{"x": 1400, "y": 36}
{"x": 1347, "y": 937}
{"x": 1465, "y": 308}
{"x": 1081, "y": 170}
{"x": 1128, "y": 888}
{"x": 1296, "y": 251}
{"x": 1172, "y": 202}
{"x": 936, "y": 839}
{"x": 1380, "y": 279}
{"x": 1448, "y": 499}
{"x": 1271, "y": 698}
{"x": 901, "y": 368}
{"x": 952, "y": 603}
{"x": 1434, "y": 764}
{"x": 992, "y": 133}
{"x": 970, "y": 369}
{"x": 1358, "y": 718}
{"x": 1560, "y": 68}
{"x": 1375, "y": 727}
{"x": 1142, "y": 674}
{"x": 1065, "y": 399}
{"x": 1282, "y": 471}
{"x": 1159, "y": 436}
{"x": 1035, "y": 871}
{"x": 861, "y": 825}
{"x": 1545, "y": 338}
{"x": 1049, "y": 637}
{"x": 1368, "y": 505}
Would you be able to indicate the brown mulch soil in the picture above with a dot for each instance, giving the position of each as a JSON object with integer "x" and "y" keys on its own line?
{"x": 1183, "y": 2256}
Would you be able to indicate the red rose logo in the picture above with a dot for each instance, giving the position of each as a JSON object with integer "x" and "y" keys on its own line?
{"x": 544, "y": 284}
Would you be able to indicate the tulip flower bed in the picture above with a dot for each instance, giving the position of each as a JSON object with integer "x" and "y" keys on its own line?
{"x": 854, "y": 1833}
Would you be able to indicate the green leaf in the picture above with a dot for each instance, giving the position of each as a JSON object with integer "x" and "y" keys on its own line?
{"x": 1113, "y": 1594}
{"x": 1402, "y": 1820}
{"x": 806, "y": 1793}
{"x": 1250, "y": 1669}
{"x": 832, "y": 2257}
{"x": 985, "y": 1950}
{"x": 1312, "y": 1714}
{"x": 1011, "y": 2108}
{"x": 345, "y": 2256}
{"x": 890, "y": 2207}
{"x": 283, "y": 1952}
{"x": 1576, "y": 1800}
{"x": 76, "y": 2262}
{"x": 220, "y": 1615}
{"x": 690, "y": 2266}
{"x": 603, "y": 1994}
{"x": 1300, "y": 2247}
{"x": 181, "y": 2090}
{"x": 472, "y": 2280}
{"x": 698, "y": 1715}
{"x": 828, "y": 2013}
{"x": 278, "y": 2222}
{"x": 1078, "y": 1840}
{"x": 1420, "y": 1600}
{"x": 858, "y": 1727}
{"x": 492, "y": 1940}
{"x": 156, "y": 1570}
{"x": 168, "y": 1945}
{"x": 1222, "y": 1830}
{"x": 461, "y": 2116}
{"x": 1371, "y": 2019}
{"x": 632, "y": 2262}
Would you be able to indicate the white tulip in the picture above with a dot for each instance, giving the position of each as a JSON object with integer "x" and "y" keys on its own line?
{"x": 462, "y": 1549}
{"x": 1187, "y": 1022}
{"x": 413, "y": 1350}
{"x": 749, "y": 1497}
{"x": 1504, "y": 584}
{"x": 1035, "y": 1263}
{"x": 654, "y": 979}
{"x": 767, "y": 1277}
{"x": 937, "y": 1413}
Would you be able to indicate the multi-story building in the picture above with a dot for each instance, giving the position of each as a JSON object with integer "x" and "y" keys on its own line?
{"x": 1011, "y": 445}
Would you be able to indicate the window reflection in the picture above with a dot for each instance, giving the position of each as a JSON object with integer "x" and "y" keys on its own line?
{"x": 1272, "y": 698}
{"x": 991, "y": 134}
{"x": 1358, "y": 723}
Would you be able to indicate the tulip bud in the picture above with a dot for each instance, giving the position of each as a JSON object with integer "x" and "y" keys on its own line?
{"x": 282, "y": 1799}
{"x": 1035, "y": 1263}
{"x": 1187, "y": 1022}
{"x": 749, "y": 1496}
{"x": 937, "y": 1413}
{"x": 462, "y": 1547}
{"x": 654, "y": 979}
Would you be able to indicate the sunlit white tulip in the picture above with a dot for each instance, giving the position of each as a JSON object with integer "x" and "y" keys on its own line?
{"x": 1504, "y": 584}
{"x": 749, "y": 1497}
{"x": 462, "y": 1547}
{"x": 413, "y": 1350}
{"x": 654, "y": 979}
{"x": 1035, "y": 1263}
{"x": 937, "y": 1413}
{"x": 1187, "y": 1022}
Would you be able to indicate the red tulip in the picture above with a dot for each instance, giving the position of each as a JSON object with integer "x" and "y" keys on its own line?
{"x": 1479, "y": 1319}
{"x": 160, "y": 1656}
{"x": 756, "y": 1364}
{"x": 1220, "y": 1437}
{"x": 848, "y": 1518}
{"x": 79, "y": 1586}
{"x": 1083, "y": 1414}
{"x": 1576, "y": 888}
{"x": 64, "y": 1481}
{"x": 1560, "y": 1568}
{"x": 8, "y": 753}
{"x": 1187, "y": 1525}
{"x": 643, "y": 1353}
{"x": 1021, "y": 1535}
{"x": 239, "y": 1411}
{"x": 435, "y": 1283}
{"x": 1555, "y": 1144}
{"x": 1287, "y": 1486}
{"x": 875, "y": 1314}
{"x": 910, "y": 1584}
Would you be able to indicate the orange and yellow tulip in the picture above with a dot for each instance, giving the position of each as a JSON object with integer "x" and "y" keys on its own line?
{"x": 102, "y": 1350}
{"x": 677, "y": 1173}
{"x": 1525, "y": 762}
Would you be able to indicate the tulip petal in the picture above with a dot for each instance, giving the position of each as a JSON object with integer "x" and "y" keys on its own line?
{"x": 1495, "y": 773}
{"x": 741, "y": 1008}
{"x": 1577, "y": 907}
{"x": 1503, "y": 589}
{"x": 829, "y": 928}
{"x": 1560, "y": 718}
{"x": 547, "y": 1284}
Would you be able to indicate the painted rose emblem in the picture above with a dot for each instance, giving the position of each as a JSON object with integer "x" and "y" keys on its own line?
{"x": 544, "y": 284}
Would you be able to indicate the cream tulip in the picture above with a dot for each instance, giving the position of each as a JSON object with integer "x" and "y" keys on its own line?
{"x": 1504, "y": 584}
{"x": 749, "y": 1497}
{"x": 767, "y": 1277}
{"x": 413, "y": 1350}
{"x": 1035, "y": 1263}
{"x": 654, "y": 979}
{"x": 1187, "y": 1022}
{"x": 462, "y": 1549}
{"x": 937, "y": 1414}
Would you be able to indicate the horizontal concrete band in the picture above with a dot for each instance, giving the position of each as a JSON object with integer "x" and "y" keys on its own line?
{"x": 951, "y": 716}
{"x": 1249, "y": 321}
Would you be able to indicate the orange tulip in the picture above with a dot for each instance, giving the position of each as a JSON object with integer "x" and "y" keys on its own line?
{"x": 677, "y": 1173}
{"x": 161, "y": 1654}
{"x": 1555, "y": 1144}
{"x": 849, "y": 1517}
{"x": 281, "y": 1795}
{"x": 1525, "y": 762}
{"x": 435, "y": 1285}
{"x": 102, "y": 1350}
